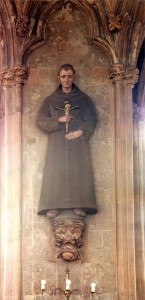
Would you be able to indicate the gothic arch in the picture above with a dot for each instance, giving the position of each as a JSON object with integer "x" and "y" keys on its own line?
{"x": 86, "y": 9}
{"x": 38, "y": 32}
{"x": 8, "y": 36}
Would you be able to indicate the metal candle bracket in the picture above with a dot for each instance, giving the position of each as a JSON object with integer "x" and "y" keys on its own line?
{"x": 67, "y": 292}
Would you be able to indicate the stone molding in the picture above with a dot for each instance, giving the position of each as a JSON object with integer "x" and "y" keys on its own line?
{"x": 119, "y": 72}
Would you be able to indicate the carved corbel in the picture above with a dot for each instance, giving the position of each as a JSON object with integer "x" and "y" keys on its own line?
{"x": 68, "y": 231}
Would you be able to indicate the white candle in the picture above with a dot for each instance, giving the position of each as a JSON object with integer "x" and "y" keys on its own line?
{"x": 93, "y": 287}
{"x": 43, "y": 284}
{"x": 68, "y": 284}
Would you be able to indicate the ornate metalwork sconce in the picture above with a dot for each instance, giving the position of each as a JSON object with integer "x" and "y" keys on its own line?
{"x": 67, "y": 291}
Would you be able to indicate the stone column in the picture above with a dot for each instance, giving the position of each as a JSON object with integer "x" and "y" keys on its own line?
{"x": 10, "y": 192}
{"x": 139, "y": 192}
{"x": 123, "y": 79}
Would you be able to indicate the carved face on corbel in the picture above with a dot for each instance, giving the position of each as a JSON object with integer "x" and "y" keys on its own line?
{"x": 68, "y": 234}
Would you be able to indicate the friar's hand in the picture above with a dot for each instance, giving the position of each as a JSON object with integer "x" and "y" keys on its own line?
{"x": 74, "y": 134}
{"x": 65, "y": 119}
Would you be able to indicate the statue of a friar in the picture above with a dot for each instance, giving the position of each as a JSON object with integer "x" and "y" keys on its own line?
{"x": 69, "y": 117}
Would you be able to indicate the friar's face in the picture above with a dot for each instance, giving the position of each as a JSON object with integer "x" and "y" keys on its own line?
{"x": 66, "y": 78}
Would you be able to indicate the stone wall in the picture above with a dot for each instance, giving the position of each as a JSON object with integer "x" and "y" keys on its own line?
{"x": 67, "y": 43}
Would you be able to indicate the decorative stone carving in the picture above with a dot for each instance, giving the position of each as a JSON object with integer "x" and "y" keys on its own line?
{"x": 131, "y": 75}
{"x": 6, "y": 77}
{"x": 68, "y": 232}
{"x": 119, "y": 72}
{"x": 116, "y": 72}
{"x": 22, "y": 26}
{"x": 20, "y": 73}
{"x": 114, "y": 22}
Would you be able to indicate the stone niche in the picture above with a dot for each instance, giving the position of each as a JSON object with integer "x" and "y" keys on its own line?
{"x": 67, "y": 42}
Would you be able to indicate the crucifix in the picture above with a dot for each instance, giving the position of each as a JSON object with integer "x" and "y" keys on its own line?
{"x": 67, "y": 108}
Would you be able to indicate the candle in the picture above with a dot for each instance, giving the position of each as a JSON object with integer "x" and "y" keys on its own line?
{"x": 43, "y": 283}
{"x": 93, "y": 287}
{"x": 68, "y": 284}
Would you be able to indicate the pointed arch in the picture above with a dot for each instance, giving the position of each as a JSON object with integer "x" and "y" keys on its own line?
{"x": 84, "y": 7}
{"x": 47, "y": 12}
{"x": 7, "y": 17}
{"x": 106, "y": 48}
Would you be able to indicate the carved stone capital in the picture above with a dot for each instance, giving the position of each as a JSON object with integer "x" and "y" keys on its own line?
{"x": 114, "y": 21}
{"x": 138, "y": 113}
{"x": 20, "y": 73}
{"x": 22, "y": 26}
{"x": 119, "y": 72}
{"x": 116, "y": 72}
{"x": 17, "y": 74}
{"x": 131, "y": 75}
{"x": 68, "y": 232}
{"x": 6, "y": 77}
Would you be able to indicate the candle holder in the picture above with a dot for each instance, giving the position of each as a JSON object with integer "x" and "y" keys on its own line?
{"x": 67, "y": 292}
